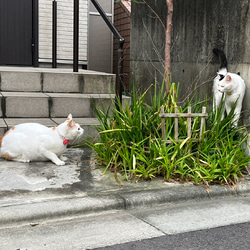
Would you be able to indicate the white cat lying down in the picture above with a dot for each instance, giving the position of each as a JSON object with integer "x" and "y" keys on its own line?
{"x": 35, "y": 142}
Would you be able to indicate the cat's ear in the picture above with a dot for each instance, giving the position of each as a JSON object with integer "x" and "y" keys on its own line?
{"x": 228, "y": 78}
{"x": 71, "y": 124}
{"x": 69, "y": 117}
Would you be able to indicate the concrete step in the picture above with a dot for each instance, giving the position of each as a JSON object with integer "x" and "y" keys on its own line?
{"x": 55, "y": 80}
{"x": 86, "y": 123}
{"x": 47, "y": 96}
{"x": 52, "y": 105}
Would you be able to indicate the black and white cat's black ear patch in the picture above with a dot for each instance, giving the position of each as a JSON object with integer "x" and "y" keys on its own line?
{"x": 221, "y": 77}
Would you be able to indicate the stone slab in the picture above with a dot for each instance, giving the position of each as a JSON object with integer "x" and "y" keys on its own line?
{"x": 79, "y": 105}
{"x": 15, "y": 121}
{"x": 62, "y": 82}
{"x": 20, "y": 81}
{"x": 56, "y": 80}
{"x": 197, "y": 215}
{"x": 82, "y": 233}
{"x": 97, "y": 83}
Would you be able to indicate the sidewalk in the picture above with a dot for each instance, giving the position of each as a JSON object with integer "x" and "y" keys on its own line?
{"x": 41, "y": 191}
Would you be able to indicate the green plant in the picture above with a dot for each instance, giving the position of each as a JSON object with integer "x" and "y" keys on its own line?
{"x": 130, "y": 141}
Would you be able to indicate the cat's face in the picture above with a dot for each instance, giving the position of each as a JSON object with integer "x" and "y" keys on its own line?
{"x": 71, "y": 130}
{"x": 226, "y": 84}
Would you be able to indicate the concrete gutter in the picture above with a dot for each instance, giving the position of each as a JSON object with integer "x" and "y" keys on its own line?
{"x": 84, "y": 191}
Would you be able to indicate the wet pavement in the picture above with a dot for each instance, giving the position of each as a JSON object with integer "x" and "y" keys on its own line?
{"x": 41, "y": 190}
{"x": 79, "y": 176}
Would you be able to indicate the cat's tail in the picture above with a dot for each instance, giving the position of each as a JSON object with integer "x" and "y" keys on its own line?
{"x": 222, "y": 56}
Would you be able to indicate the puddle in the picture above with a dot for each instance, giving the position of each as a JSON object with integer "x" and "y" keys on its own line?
{"x": 37, "y": 176}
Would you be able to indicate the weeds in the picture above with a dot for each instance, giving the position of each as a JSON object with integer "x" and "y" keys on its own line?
{"x": 130, "y": 141}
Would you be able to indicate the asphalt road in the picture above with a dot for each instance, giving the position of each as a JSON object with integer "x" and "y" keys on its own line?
{"x": 234, "y": 237}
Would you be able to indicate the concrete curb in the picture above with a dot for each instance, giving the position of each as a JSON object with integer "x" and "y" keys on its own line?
{"x": 45, "y": 210}
{"x": 40, "y": 211}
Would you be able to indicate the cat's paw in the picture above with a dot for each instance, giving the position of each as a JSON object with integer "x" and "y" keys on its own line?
{"x": 60, "y": 163}
{"x": 63, "y": 158}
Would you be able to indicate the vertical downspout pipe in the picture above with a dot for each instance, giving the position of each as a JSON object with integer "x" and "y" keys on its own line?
{"x": 119, "y": 75}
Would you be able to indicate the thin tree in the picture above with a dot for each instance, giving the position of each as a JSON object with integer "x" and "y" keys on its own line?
{"x": 168, "y": 29}
{"x": 170, "y": 6}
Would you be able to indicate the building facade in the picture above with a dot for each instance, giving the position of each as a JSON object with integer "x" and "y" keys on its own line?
{"x": 26, "y": 34}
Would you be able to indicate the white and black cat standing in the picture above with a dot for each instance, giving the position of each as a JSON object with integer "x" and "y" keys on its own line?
{"x": 35, "y": 142}
{"x": 232, "y": 85}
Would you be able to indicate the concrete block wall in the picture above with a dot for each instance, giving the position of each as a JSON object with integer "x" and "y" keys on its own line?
{"x": 198, "y": 27}
{"x": 64, "y": 30}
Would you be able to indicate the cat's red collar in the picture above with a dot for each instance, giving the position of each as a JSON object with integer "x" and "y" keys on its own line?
{"x": 65, "y": 141}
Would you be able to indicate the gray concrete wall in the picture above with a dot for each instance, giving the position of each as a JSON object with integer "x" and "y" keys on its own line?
{"x": 198, "y": 27}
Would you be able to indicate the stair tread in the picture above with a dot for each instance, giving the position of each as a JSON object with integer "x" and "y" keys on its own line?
{"x": 50, "y": 70}
{"x": 23, "y": 94}
{"x": 50, "y": 122}
{"x": 43, "y": 94}
{"x": 14, "y": 121}
{"x": 55, "y": 80}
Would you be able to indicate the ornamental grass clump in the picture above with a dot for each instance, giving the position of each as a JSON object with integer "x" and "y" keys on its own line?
{"x": 130, "y": 142}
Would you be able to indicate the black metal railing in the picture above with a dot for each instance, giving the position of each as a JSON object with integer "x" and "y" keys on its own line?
{"x": 54, "y": 34}
{"x": 121, "y": 40}
{"x": 75, "y": 35}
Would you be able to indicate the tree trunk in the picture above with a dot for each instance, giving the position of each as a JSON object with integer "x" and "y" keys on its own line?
{"x": 168, "y": 44}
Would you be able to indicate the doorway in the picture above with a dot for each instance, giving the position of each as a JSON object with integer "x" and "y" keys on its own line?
{"x": 19, "y": 32}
